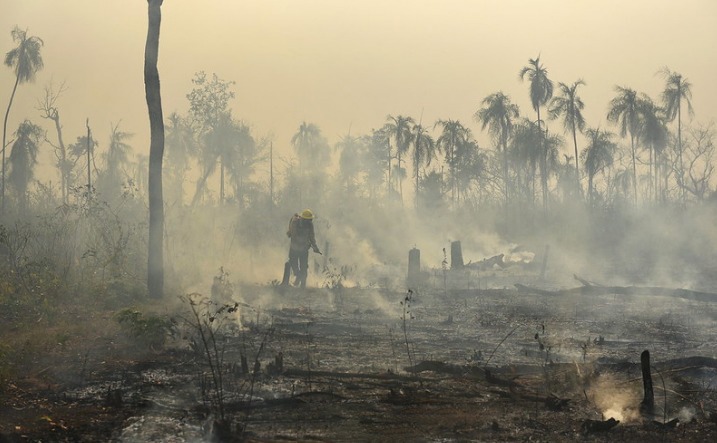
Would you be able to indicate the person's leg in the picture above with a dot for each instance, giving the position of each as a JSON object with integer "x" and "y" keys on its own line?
{"x": 303, "y": 267}
{"x": 294, "y": 264}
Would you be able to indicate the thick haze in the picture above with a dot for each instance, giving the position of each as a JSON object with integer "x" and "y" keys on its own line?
{"x": 346, "y": 65}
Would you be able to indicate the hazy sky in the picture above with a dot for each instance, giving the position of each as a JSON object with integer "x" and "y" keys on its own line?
{"x": 348, "y": 64}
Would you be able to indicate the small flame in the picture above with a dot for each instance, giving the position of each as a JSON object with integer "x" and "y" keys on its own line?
{"x": 615, "y": 413}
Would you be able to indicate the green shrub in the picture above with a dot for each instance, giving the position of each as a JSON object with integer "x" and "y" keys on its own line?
{"x": 150, "y": 330}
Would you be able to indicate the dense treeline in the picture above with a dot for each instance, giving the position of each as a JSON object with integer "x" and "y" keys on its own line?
{"x": 226, "y": 188}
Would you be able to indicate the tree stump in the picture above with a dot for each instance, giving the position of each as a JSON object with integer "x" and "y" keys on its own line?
{"x": 456, "y": 255}
{"x": 647, "y": 406}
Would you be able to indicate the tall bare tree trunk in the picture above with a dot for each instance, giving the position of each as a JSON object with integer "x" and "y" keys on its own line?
{"x": 679, "y": 142}
{"x": 155, "y": 265}
{"x": 4, "y": 136}
{"x": 577, "y": 169}
{"x": 65, "y": 175}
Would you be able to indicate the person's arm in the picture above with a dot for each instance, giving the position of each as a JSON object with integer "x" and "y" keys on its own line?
{"x": 312, "y": 239}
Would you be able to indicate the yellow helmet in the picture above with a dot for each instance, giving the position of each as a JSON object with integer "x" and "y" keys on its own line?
{"x": 307, "y": 214}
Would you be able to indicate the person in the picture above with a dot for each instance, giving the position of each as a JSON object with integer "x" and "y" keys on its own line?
{"x": 301, "y": 233}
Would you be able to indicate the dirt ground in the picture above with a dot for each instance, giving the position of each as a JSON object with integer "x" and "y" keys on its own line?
{"x": 375, "y": 365}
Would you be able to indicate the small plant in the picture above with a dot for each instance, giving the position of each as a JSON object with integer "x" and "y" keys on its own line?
{"x": 405, "y": 316}
{"x": 207, "y": 322}
{"x": 334, "y": 276}
{"x": 151, "y": 330}
{"x": 222, "y": 287}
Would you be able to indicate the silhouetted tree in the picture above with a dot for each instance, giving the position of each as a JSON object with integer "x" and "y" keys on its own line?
{"x": 469, "y": 167}
{"x": 597, "y": 156}
{"x": 424, "y": 149}
{"x": 525, "y": 152}
{"x": 654, "y": 135}
{"x": 677, "y": 89}
{"x": 23, "y": 158}
{"x": 350, "y": 148}
{"x": 541, "y": 91}
{"x": 498, "y": 114}
{"x": 116, "y": 160}
{"x": 699, "y": 154}
{"x": 313, "y": 152}
{"x": 569, "y": 106}
{"x": 49, "y": 110}
{"x": 311, "y": 147}
{"x": 625, "y": 111}
{"x": 453, "y": 143}
{"x": 25, "y": 59}
{"x": 211, "y": 117}
{"x": 248, "y": 152}
{"x": 181, "y": 145}
{"x": 373, "y": 162}
{"x": 399, "y": 128}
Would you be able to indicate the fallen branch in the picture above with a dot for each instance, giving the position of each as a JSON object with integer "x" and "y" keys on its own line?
{"x": 624, "y": 290}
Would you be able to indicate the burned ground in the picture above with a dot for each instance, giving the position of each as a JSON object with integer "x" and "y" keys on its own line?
{"x": 375, "y": 365}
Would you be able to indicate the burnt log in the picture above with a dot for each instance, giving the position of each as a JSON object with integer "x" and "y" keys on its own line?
{"x": 592, "y": 426}
{"x": 686, "y": 294}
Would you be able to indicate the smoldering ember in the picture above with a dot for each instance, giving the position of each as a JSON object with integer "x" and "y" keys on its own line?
{"x": 535, "y": 271}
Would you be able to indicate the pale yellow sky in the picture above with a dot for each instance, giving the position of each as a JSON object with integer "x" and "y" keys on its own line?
{"x": 341, "y": 64}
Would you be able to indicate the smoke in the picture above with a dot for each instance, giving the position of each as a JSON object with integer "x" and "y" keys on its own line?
{"x": 369, "y": 245}
{"x": 613, "y": 399}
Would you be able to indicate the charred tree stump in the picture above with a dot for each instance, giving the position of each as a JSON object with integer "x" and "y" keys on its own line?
{"x": 414, "y": 267}
{"x": 648, "y": 402}
{"x": 456, "y": 255}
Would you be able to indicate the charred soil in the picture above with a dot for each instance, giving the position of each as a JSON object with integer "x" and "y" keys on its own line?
{"x": 374, "y": 365}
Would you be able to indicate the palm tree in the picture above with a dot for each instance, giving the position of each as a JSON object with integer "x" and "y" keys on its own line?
{"x": 399, "y": 128}
{"x": 313, "y": 152}
{"x": 349, "y": 160}
{"x": 310, "y": 147}
{"x": 654, "y": 135}
{"x": 569, "y": 105}
{"x": 116, "y": 158}
{"x": 219, "y": 151}
{"x": 597, "y": 156}
{"x": 140, "y": 175}
{"x": 541, "y": 91}
{"x": 676, "y": 90}
{"x": 498, "y": 114}
{"x": 181, "y": 145}
{"x": 23, "y": 158}
{"x": 26, "y": 61}
{"x": 155, "y": 261}
{"x": 454, "y": 136}
{"x": 373, "y": 162}
{"x": 469, "y": 168}
{"x": 625, "y": 111}
{"x": 526, "y": 136}
{"x": 247, "y": 153}
{"x": 423, "y": 151}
